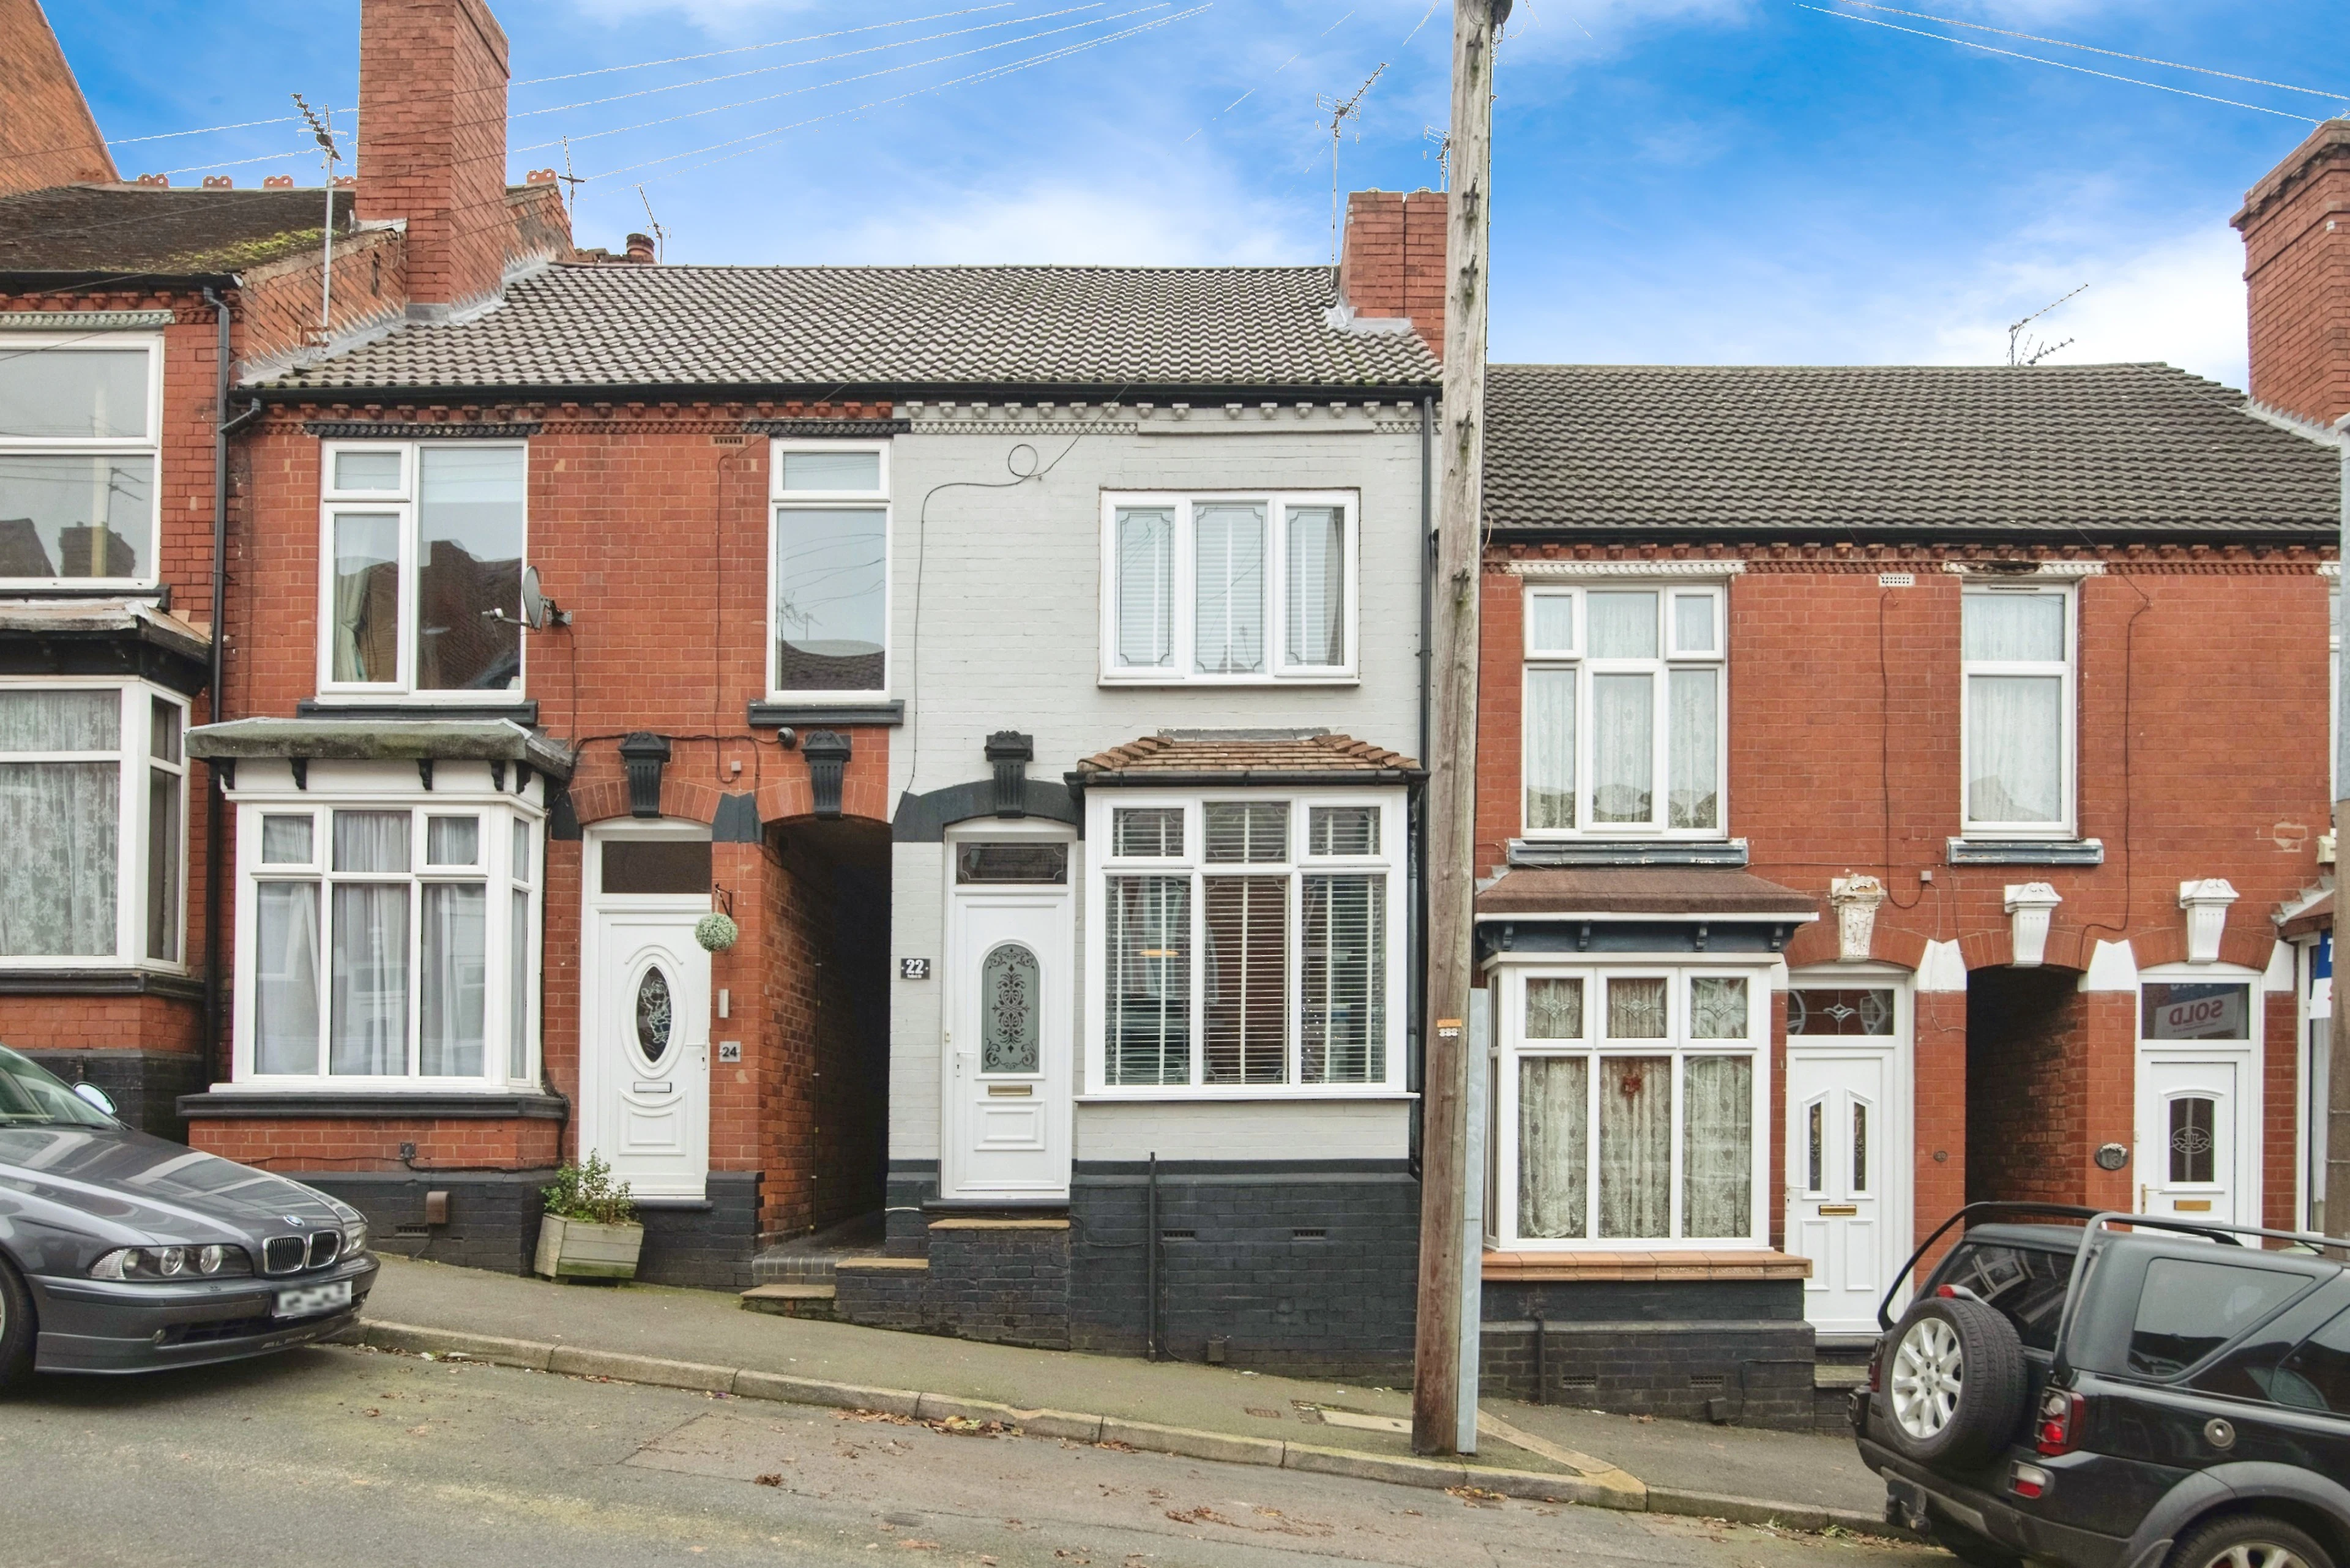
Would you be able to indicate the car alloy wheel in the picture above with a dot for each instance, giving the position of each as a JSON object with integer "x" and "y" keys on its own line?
{"x": 2256, "y": 1554}
{"x": 1928, "y": 1368}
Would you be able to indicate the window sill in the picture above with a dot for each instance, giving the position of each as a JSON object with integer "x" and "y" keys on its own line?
{"x": 521, "y": 709}
{"x": 89, "y": 980}
{"x": 778, "y": 712}
{"x": 1553, "y": 852}
{"x": 374, "y": 1105}
{"x": 1990, "y": 850}
{"x": 1719, "y": 1263}
{"x": 1163, "y": 683}
{"x": 1188, "y": 1095}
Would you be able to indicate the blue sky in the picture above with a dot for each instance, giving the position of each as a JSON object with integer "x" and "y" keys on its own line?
{"x": 1695, "y": 181}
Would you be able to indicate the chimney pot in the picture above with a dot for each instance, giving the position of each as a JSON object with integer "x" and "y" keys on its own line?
{"x": 641, "y": 248}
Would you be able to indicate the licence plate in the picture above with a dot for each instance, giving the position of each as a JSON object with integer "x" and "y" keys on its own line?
{"x": 308, "y": 1301}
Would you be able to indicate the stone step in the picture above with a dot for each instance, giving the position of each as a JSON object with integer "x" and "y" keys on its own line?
{"x": 1841, "y": 1377}
{"x": 790, "y": 1300}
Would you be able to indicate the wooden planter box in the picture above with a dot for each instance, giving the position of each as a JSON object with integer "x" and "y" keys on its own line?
{"x": 574, "y": 1250}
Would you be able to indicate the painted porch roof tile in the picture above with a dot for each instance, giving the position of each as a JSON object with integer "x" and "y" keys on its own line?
{"x": 1243, "y": 753}
{"x": 1639, "y": 890}
{"x": 1907, "y": 450}
{"x": 1098, "y": 327}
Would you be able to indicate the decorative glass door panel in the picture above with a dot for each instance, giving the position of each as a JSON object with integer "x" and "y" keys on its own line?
{"x": 1008, "y": 1002}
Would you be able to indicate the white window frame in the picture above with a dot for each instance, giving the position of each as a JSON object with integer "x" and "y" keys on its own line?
{"x": 494, "y": 874}
{"x": 1670, "y": 658}
{"x": 131, "y": 759}
{"x": 1103, "y": 863}
{"x": 781, "y": 501}
{"x": 1507, "y": 976}
{"x": 404, "y": 504}
{"x": 151, "y": 447}
{"x": 2068, "y": 712}
{"x": 1278, "y": 670}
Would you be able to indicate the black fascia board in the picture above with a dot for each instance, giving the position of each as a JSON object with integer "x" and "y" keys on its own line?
{"x": 842, "y": 392}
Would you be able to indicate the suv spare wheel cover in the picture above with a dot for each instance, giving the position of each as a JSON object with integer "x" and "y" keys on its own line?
{"x": 1955, "y": 1383}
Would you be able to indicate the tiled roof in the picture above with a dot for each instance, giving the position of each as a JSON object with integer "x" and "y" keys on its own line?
{"x": 1639, "y": 890}
{"x": 1899, "y": 450}
{"x": 92, "y": 228}
{"x": 1165, "y": 756}
{"x": 1080, "y": 326}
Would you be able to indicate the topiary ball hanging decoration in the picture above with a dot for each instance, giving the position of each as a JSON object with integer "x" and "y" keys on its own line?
{"x": 716, "y": 932}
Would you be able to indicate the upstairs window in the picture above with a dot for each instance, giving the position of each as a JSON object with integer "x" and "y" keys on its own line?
{"x": 421, "y": 590}
{"x": 1234, "y": 588}
{"x": 2017, "y": 651}
{"x": 831, "y": 607}
{"x": 77, "y": 453}
{"x": 1250, "y": 944}
{"x": 1624, "y": 726}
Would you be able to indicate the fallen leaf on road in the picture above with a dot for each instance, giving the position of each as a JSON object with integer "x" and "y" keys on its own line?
{"x": 768, "y": 1480}
{"x": 1474, "y": 1496}
{"x": 919, "y": 1545}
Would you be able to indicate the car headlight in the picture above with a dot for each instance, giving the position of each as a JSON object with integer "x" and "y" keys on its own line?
{"x": 355, "y": 1238}
{"x": 213, "y": 1261}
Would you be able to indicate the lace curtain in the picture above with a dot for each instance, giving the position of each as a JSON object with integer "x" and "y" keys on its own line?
{"x": 1623, "y": 746}
{"x": 1693, "y": 750}
{"x": 1636, "y": 1146}
{"x": 285, "y": 978}
{"x": 2014, "y": 719}
{"x": 1551, "y": 1154}
{"x": 1550, "y": 748}
{"x": 1718, "y": 1146}
{"x": 61, "y": 821}
{"x": 453, "y": 990}
{"x": 368, "y": 984}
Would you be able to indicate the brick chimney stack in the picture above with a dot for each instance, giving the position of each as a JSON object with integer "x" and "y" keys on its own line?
{"x": 2296, "y": 229}
{"x": 46, "y": 134}
{"x": 433, "y": 143}
{"x": 1391, "y": 263}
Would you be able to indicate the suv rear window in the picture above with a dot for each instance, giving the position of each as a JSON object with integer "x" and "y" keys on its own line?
{"x": 2314, "y": 1376}
{"x": 2026, "y": 1283}
{"x": 2190, "y": 1309}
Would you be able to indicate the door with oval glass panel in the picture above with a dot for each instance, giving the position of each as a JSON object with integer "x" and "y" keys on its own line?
{"x": 644, "y": 1088}
{"x": 1848, "y": 1144}
{"x": 1010, "y": 972}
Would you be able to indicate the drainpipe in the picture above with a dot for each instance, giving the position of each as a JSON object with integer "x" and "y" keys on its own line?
{"x": 1416, "y": 975}
{"x": 215, "y": 803}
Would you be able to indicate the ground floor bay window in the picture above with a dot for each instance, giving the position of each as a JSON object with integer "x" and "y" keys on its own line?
{"x": 386, "y": 941}
{"x": 1246, "y": 942}
{"x": 1631, "y": 1105}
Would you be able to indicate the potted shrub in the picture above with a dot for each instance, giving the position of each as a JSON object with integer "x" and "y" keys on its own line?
{"x": 590, "y": 1232}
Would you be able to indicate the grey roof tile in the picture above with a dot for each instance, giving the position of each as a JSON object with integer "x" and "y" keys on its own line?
{"x": 1079, "y": 327}
{"x": 1907, "y": 450}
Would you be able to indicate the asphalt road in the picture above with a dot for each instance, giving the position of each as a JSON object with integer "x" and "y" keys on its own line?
{"x": 344, "y": 1458}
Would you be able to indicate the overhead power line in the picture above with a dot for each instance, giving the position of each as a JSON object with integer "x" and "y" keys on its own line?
{"x": 748, "y": 49}
{"x": 2059, "y": 65}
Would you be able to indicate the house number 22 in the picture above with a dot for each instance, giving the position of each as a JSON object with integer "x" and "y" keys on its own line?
{"x": 913, "y": 969}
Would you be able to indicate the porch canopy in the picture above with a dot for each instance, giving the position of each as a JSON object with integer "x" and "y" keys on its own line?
{"x": 1637, "y": 909}
{"x": 380, "y": 741}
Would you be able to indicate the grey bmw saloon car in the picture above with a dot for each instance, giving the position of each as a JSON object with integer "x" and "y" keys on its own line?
{"x": 122, "y": 1252}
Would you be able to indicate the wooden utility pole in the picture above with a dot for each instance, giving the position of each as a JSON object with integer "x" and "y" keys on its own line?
{"x": 1452, "y": 770}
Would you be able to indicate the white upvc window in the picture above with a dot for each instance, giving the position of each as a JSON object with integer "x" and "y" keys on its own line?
{"x": 1632, "y": 1106}
{"x": 79, "y": 502}
{"x": 419, "y": 587}
{"x": 94, "y": 811}
{"x": 2017, "y": 650}
{"x": 1249, "y": 943}
{"x": 1230, "y": 588}
{"x": 1626, "y": 720}
{"x": 389, "y": 943}
{"x": 828, "y": 605}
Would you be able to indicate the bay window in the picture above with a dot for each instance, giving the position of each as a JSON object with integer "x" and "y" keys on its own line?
{"x": 1247, "y": 944}
{"x": 78, "y": 502}
{"x": 831, "y": 605}
{"x": 1631, "y": 1103}
{"x": 386, "y": 941}
{"x": 1228, "y": 588}
{"x": 2017, "y": 651}
{"x": 93, "y": 809}
{"x": 1623, "y": 717}
{"x": 421, "y": 589}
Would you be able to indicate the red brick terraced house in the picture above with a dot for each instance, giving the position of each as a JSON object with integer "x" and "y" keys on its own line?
{"x": 1867, "y": 825}
{"x": 131, "y": 314}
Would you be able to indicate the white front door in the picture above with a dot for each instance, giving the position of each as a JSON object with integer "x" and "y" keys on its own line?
{"x": 1010, "y": 978}
{"x": 644, "y": 1035}
{"x": 2188, "y": 1141}
{"x": 1847, "y": 1144}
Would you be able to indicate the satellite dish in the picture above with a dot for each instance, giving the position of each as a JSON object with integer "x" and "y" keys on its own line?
{"x": 534, "y": 604}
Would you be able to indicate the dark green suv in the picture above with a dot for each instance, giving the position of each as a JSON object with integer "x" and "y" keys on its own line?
{"x": 2122, "y": 1391}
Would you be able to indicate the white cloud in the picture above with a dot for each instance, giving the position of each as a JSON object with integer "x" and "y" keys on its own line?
{"x": 1140, "y": 221}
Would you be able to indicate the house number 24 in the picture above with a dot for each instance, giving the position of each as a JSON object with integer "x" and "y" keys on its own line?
{"x": 913, "y": 969}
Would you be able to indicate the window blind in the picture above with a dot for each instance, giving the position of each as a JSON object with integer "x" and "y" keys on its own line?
{"x": 1247, "y": 926}
{"x": 1343, "y": 1022}
{"x": 1147, "y": 921}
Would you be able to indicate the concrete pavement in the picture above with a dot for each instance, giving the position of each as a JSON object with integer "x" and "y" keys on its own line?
{"x": 1795, "y": 1470}
{"x": 342, "y": 1455}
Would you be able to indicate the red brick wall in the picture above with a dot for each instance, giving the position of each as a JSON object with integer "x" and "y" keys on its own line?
{"x": 47, "y": 135}
{"x": 433, "y": 144}
{"x": 2296, "y": 228}
{"x": 100, "y": 1024}
{"x": 1391, "y": 263}
{"x": 2027, "y": 1096}
{"x": 277, "y": 308}
{"x": 340, "y": 1143}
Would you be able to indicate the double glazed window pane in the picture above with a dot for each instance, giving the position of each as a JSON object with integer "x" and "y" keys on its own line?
{"x": 468, "y": 524}
{"x": 833, "y": 471}
{"x": 1553, "y": 1160}
{"x": 163, "y": 865}
{"x": 1227, "y": 563}
{"x": 830, "y": 573}
{"x": 1146, "y": 831}
{"x": 1317, "y": 585}
{"x": 285, "y": 978}
{"x": 1246, "y": 979}
{"x": 1718, "y": 1146}
{"x": 1623, "y": 748}
{"x": 1623, "y": 624}
{"x": 1636, "y": 1146}
{"x": 74, "y": 394}
{"x": 61, "y": 822}
{"x": 1693, "y": 749}
{"x": 2015, "y": 748}
{"x": 2014, "y": 628}
{"x": 1149, "y": 921}
{"x": 1343, "y": 1034}
{"x": 1550, "y": 748}
{"x": 362, "y": 469}
{"x": 367, "y": 596}
{"x": 1146, "y": 587}
{"x": 1248, "y": 831}
{"x": 367, "y": 1026}
{"x": 454, "y": 993}
{"x": 76, "y": 516}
